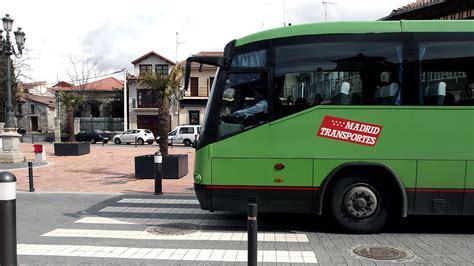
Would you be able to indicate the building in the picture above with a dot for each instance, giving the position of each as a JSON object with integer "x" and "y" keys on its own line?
{"x": 434, "y": 9}
{"x": 143, "y": 106}
{"x": 193, "y": 103}
{"x": 36, "y": 113}
{"x": 103, "y": 99}
{"x": 39, "y": 88}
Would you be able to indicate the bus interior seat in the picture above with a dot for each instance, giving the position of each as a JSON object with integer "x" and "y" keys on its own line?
{"x": 342, "y": 94}
{"x": 449, "y": 99}
{"x": 301, "y": 104}
{"x": 435, "y": 93}
{"x": 386, "y": 95}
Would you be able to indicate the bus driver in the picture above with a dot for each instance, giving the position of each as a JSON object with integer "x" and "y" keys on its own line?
{"x": 260, "y": 107}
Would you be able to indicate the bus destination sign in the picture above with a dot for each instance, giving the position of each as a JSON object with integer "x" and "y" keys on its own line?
{"x": 349, "y": 130}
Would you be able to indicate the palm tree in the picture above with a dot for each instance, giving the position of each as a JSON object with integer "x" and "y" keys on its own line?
{"x": 165, "y": 88}
{"x": 71, "y": 101}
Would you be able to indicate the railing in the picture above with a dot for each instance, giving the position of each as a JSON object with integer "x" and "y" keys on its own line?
{"x": 101, "y": 123}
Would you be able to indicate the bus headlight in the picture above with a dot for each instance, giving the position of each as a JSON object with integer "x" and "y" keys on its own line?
{"x": 197, "y": 178}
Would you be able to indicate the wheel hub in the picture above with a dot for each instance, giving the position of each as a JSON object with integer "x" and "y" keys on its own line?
{"x": 360, "y": 202}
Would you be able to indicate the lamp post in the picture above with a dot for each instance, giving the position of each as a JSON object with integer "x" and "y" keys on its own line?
{"x": 11, "y": 139}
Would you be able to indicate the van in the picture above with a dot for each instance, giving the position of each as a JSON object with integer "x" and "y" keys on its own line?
{"x": 185, "y": 134}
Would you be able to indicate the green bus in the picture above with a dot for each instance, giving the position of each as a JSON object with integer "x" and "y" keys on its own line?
{"x": 360, "y": 121}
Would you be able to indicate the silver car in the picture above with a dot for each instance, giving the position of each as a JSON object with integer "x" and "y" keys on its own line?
{"x": 140, "y": 136}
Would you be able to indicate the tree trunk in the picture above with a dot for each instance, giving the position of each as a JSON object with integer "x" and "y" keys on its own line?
{"x": 163, "y": 125}
{"x": 70, "y": 124}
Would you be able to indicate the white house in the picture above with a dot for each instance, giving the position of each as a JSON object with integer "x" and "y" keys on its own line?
{"x": 142, "y": 106}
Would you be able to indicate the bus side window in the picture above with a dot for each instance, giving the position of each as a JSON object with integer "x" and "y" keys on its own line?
{"x": 446, "y": 74}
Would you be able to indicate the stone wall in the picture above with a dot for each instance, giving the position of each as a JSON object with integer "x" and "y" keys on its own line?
{"x": 44, "y": 114}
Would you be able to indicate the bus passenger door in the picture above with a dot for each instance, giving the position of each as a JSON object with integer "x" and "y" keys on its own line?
{"x": 440, "y": 187}
{"x": 468, "y": 208}
{"x": 290, "y": 184}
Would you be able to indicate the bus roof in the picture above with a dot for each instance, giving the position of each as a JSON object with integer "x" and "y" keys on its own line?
{"x": 361, "y": 27}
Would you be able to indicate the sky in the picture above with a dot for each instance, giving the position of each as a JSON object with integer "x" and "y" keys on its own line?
{"x": 118, "y": 31}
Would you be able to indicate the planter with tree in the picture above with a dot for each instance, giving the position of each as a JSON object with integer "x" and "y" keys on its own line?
{"x": 71, "y": 101}
{"x": 165, "y": 88}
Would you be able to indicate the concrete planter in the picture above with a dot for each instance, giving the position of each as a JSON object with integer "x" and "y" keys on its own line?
{"x": 174, "y": 166}
{"x": 71, "y": 149}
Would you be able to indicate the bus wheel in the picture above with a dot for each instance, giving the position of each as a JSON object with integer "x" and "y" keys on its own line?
{"x": 359, "y": 205}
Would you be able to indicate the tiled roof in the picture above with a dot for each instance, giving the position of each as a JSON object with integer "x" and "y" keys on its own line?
{"x": 49, "y": 101}
{"x": 203, "y": 53}
{"x": 416, "y": 5}
{"x": 107, "y": 84}
{"x": 143, "y": 57}
{"x": 63, "y": 84}
{"x": 32, "y": 84}
{"x": 210, "y": 53}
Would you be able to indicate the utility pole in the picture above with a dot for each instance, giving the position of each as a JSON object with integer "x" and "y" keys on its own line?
{"x": 125, "y": 101}
{"x": 325, "y": 4}
{"x": 177, "y": 44}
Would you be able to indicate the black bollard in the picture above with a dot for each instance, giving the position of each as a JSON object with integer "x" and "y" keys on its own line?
{"x": 32, "y": 139}
{"x": 158, "y": 159}
{"x": 135, "y": 142}
{"x": 103, "y": 141}
{"x": 171, "y": 142}
{"x": 8, "y": 252}
{"x": 30, "y": 176}
{"x": 252, "y": 228}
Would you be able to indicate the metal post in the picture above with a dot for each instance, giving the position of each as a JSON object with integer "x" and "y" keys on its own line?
{"x": 158, "y": 159}
{"x": 252, "y": 228}
{"x": 102, "y": 141}
{"x": 8, "y": 252}
{"x": 135, "y": 142}
{"x": 30, "y": 176}
{"x": 32, "y": 139}
{"x": 171, "y": 142}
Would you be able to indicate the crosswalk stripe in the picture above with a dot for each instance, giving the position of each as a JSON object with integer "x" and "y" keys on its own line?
{"x": 210, "y": 255}
{"x": 153, "y": 210}
{"x": 198, "y": 235}
{"x": 158, "y": 201}
{"x": 208, "y": 222}
{"x": 101, "y": 220}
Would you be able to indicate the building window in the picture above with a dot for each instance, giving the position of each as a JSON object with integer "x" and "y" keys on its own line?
{"x": 194, "y": 86}
{"x": 20, "y": 109}
{"x": 194, "y": 117}
{"x": 145, "y": 69}
{"x": 211, "y": 81}
{"x": 162, "y": 69}
{"x": 147, "y": 99}
{"x": 32, "y": 109}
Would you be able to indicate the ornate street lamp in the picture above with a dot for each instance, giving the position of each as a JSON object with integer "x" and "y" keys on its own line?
{"x": 10, "y": 138}
{"x": 8, "y": 49}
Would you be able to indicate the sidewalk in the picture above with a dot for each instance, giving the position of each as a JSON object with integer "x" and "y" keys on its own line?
{"x": 106, "y": 169}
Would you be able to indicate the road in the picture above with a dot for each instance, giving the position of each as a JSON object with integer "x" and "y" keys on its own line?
{"x": 85, "y": 228}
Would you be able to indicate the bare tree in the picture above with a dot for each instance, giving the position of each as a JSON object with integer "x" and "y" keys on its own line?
{"x": 82, "y": 69}
{"x": 21, "y": 68}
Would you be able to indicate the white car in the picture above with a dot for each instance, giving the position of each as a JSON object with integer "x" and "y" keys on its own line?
{"x": 141, "y": 136}
{"x": 186, "y": 135}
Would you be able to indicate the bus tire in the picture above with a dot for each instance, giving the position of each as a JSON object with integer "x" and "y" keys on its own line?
{"x": 360, "y": 205}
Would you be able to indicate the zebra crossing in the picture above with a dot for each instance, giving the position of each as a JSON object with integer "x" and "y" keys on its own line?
{"x": 217, "y": 238}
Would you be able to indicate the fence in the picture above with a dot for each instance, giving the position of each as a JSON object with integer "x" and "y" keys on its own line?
{"x": 102, "y": 123}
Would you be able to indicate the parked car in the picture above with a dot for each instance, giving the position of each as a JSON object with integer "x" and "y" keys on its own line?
{"x": 129, "y": 136}
{"x": 186, "y": 134}
{"x": 92, "y": 136}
